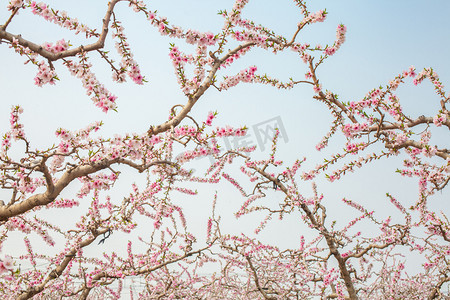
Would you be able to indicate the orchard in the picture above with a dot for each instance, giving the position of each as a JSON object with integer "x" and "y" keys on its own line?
{"x": 131, "y": 166}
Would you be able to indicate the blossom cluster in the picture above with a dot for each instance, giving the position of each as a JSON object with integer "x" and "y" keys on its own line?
{"x": 340, "y": 39}
{"x": 7, "y": 265}
{"x": 178, "y": 58}
{"x": 350, "y": 130}
{"x": 311, "y": 18}
{"x": 60, "y": 46}
{"x": 60, "y": 18}
{"x": 210, "y": 118}
{"x": 190, "y": 155}
{"x": 64, "y": 203}
{"x": 17, "y": 131}
{"x": 127, "y": 63}
{"x": 246, "y": 75}
{"x": 14, "y": 4}
{"x": 394, "y": 83}
{"x": 190, "y": 36}
{"x": 236, "y": 55}
{"x": 229, "y": 131}
{"x": 45, "y": 75}
{"x": 440, "y": 118}
{"x": 100, "y": 95}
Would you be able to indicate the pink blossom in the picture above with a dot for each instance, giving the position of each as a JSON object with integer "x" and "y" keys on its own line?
{"x": 317, "y": 88}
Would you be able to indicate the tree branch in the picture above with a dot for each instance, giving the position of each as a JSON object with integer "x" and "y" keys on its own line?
{"x": 67, "y": 53}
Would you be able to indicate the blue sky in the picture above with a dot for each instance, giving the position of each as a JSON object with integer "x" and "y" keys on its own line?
{"x": 383, "y": 39}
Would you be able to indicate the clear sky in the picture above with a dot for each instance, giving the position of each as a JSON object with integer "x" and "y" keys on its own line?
{"x": 383, "y": 38}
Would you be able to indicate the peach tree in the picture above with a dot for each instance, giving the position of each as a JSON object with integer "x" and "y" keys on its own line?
{"x": 329, "y": 262}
